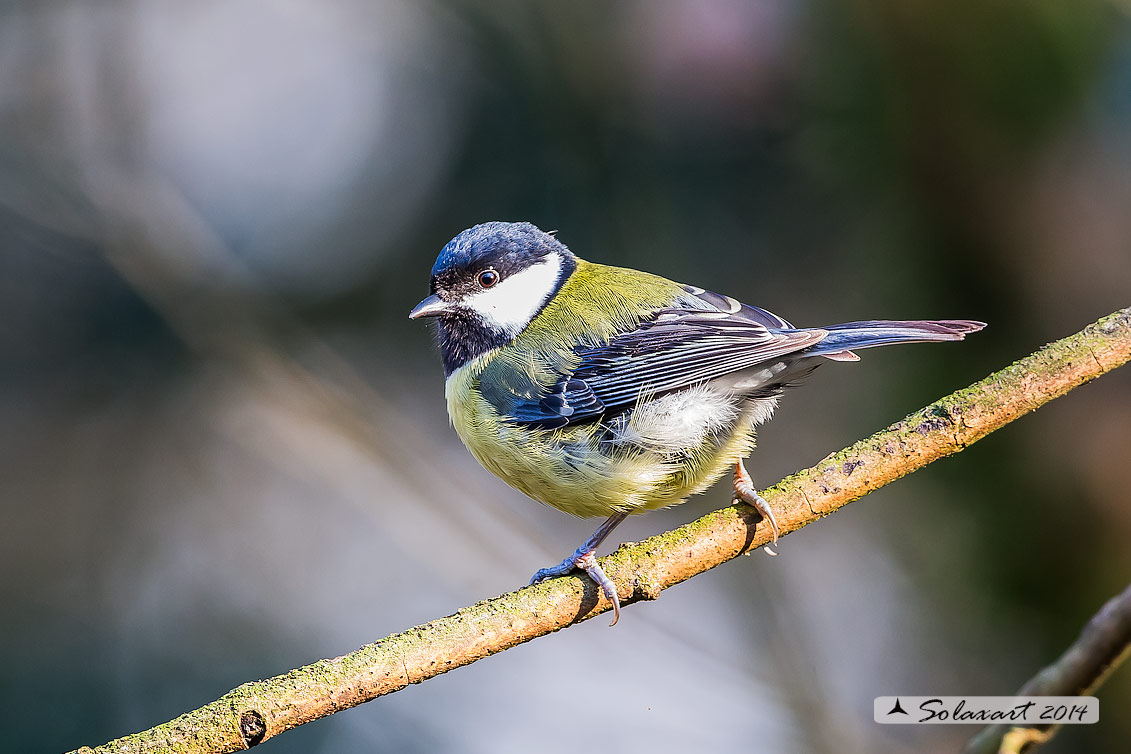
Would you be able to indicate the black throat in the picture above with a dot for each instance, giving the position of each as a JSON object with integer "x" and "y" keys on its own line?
{"x": 463, "y": 336}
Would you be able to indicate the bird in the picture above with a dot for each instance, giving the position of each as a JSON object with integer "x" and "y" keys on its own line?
{"x": 606, "y": 391}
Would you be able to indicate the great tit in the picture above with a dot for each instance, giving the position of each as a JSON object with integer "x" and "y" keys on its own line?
{"x": 605, "y": 391}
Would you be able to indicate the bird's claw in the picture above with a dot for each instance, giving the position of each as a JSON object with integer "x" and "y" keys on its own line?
{"x": 584, "y": 561}
{"x": 764, "y": 511}
{"x": 588, "y": 563}
{"x": 744, "y": 491}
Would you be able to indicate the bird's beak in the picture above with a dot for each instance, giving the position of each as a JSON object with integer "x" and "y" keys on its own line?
{"x": 430, "y": 307}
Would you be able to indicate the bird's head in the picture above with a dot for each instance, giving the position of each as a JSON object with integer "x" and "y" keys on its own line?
{"x": 488, "y": 283}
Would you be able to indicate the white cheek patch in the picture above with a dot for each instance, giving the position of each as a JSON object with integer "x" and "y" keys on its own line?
{"x": 514, "y": 301}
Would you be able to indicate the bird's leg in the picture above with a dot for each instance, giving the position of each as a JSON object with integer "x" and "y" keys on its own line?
{"x": 583, "y": 558}
{"x": 744, "y": 491}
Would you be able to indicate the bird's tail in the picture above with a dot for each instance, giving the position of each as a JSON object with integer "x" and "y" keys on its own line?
{"x": 849, "y": 335}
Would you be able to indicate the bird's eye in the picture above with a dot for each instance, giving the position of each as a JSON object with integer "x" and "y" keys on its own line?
{"x": 488, "y": 279}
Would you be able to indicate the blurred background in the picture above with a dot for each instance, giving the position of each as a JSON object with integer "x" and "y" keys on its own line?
{"x": 223, "y": 447}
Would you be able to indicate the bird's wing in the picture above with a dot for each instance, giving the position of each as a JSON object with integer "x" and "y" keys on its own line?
{"x": 676, "y": 348}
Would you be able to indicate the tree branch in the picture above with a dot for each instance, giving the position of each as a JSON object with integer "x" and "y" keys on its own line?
{"x": 1104, "y": 643}
{"x": 259, "y": 710}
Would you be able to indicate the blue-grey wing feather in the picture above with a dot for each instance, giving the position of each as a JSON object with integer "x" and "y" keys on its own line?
{"x": 693, "y": 351}
{"x": 569, "y": 401}
{"x": 739, "y": 310}
{"x": 677, "y": 348}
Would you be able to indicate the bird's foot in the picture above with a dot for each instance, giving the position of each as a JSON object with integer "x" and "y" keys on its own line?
{"x": 744, "y": 491}
{"x": 584, "y": 559}
{"x": 561, "y": 569}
